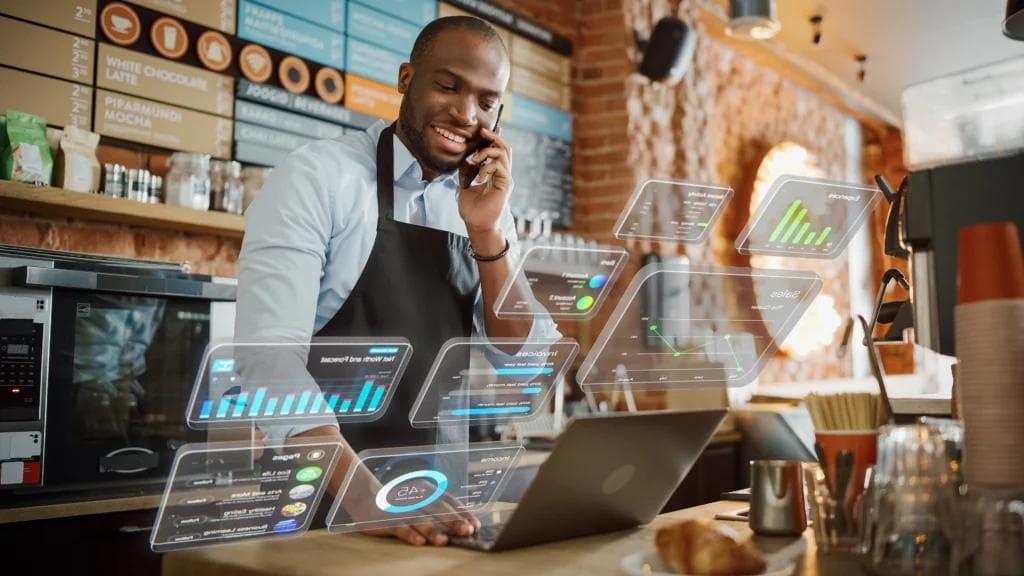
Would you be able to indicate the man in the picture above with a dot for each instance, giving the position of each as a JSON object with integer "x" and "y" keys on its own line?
{"x": 398, "y": 231}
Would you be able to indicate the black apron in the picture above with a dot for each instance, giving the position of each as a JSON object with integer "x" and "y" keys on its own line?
{"x": 420, "y": 284}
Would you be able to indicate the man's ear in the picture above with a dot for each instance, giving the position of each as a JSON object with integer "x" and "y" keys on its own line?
{"x": 405, "y": 72}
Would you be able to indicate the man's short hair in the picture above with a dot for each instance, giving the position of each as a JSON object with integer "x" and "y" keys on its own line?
{"x": 428, "y": 36}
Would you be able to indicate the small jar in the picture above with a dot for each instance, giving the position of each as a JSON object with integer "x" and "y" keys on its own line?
{"x": 226, "y": 190}
{"x": 188, "y": 181}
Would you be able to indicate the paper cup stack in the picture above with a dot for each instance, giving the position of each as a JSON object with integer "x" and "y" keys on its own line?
{"x": 990, "y": 353}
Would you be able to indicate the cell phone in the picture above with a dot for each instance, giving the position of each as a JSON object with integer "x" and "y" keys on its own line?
{"x": 469, "y": 172}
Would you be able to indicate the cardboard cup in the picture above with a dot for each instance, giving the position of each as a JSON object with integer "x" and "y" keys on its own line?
{"x": 990, "y": 263}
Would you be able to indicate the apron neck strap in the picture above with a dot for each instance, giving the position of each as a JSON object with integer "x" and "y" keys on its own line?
{"x": 386, "y": 173}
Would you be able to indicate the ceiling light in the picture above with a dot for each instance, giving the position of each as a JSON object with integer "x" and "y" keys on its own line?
{"x": 752, "y": 19}
{"x": 1013, "y": 26}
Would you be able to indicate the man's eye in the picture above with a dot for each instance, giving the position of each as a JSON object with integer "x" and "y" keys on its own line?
{"x": 446, "y": 87}
{"x": 488, "y": 106}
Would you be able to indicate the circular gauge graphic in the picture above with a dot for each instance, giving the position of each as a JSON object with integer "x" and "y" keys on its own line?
{"x": 597, "y": 281}
{"x": 408, "y": 492}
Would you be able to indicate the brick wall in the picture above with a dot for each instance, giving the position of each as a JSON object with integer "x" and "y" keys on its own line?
{"x": 714, "y": 127}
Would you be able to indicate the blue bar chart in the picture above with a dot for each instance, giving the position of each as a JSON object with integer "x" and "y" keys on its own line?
{"x": 350, "y": 381}
{"x": 307, "y": 402}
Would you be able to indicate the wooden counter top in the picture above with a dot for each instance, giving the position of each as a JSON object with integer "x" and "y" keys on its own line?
{"x": 319, "y": 552}
{"x": 530, "y": 458}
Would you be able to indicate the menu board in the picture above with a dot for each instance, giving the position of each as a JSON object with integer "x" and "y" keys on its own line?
{"x": 285, "y": 121}
{"x": 304, "y": 105}
{"x": 163, "y": 125}
{"x": 536, "y": 116}
{"x": 61, "y": 103}
{"x": 542, "y": 171}
{"x": 290, "y": 34}
{"x": 533, "y": 85}
{"x": 245, "y": 132}
{"x": 372, "y": 98}
{"x": 380, "y": 29}
{"x": 65, "y": 55}
{"x": 543, "y": 60}
{"x": 328, "y": 13}
{"x": 374, "y": 62}
{"x": 76, "y": 16}
{"x": 216, "y": 14}
{"x": 139, "y": 74}
{"x": 419, "y": 12}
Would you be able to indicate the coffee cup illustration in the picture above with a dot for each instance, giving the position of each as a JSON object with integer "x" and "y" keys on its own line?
{"x": 120, "y": 23}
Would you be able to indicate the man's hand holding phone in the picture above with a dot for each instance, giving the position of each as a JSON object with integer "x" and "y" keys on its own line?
{"x": 485, "y": 179}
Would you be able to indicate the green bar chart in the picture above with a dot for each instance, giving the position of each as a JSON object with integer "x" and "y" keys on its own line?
{"x": 806, "y": 218}
{"x": 804, "y": 236}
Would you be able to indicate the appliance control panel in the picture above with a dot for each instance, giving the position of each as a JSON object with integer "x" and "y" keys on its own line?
{"x": 21, "y": 363}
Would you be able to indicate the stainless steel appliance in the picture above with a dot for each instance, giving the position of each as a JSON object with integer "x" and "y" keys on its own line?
{"x": 97, "y": 359}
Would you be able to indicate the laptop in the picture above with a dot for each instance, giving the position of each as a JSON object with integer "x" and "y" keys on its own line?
{"x": 606, "y": 473}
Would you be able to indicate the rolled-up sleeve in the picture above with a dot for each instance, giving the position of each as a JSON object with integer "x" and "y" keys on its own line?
{"x": 288, "y": 228}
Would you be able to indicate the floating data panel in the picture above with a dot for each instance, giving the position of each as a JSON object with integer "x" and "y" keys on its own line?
{"x": 389, "y": 487}
{"x": 679, "y": 327}
{"x": 569, "y": 283}
{"x": 352, "y": 380}
{"x": 498, "y": 380}
{"x": 226, "y": 492}
{"x": 807, "y": 218}
{"x": 672, "y": 211}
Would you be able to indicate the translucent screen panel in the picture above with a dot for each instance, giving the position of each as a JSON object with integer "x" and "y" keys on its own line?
{"x": 347, "y": 379}
{"x": 498, "y": 380}
{"x": 807, "y": 218}
{"x": 672, "y": 210}
{"x": 561, "y": 282}
{"x": 391, "y": 487}
{"x": 678, "y": 326}
{"x": 226, "y": 492}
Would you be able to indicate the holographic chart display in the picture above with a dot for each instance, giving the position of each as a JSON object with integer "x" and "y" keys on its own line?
{"x": 678, "y": 326}
{"x": 491, "y": 380}
{"x": 352, "y": 380}
{"x": 672, "y": 210}
{"x": 227, "y": 492}
{"x": 807, "y": 218}
{"x": 569, "y": 283}
{"x": 390, "y": 487}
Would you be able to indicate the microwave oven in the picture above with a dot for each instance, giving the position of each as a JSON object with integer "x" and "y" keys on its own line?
{"x": 98, "y": 356}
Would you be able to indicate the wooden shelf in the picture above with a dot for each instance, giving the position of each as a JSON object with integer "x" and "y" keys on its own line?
{"x": 56, "y": 202}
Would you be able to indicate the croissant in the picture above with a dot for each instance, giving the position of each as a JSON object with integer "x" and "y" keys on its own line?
{"x": 701, "y": 547}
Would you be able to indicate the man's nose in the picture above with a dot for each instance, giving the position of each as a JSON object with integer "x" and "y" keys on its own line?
{"x": 464, "y": 111}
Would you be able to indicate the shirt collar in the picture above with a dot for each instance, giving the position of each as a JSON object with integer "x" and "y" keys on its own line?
{"x": 406, "y": 165}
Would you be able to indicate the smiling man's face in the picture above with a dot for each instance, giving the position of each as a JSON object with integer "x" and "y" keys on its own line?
{"x": 448, "y": 95}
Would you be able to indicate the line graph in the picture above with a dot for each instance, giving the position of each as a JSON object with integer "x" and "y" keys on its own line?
{"x": 682, "y": 326}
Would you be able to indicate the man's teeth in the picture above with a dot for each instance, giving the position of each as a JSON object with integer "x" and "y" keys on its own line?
{"x": 453, "y": 137}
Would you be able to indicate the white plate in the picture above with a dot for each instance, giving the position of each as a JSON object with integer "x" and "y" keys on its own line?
{"x": 649, "y": 564}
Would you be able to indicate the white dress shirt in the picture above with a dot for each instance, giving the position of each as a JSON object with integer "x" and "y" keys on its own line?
{"x": 310, "y": 231}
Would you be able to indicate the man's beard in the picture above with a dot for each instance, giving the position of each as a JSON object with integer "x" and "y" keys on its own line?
{"x": 418, "y": 144}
